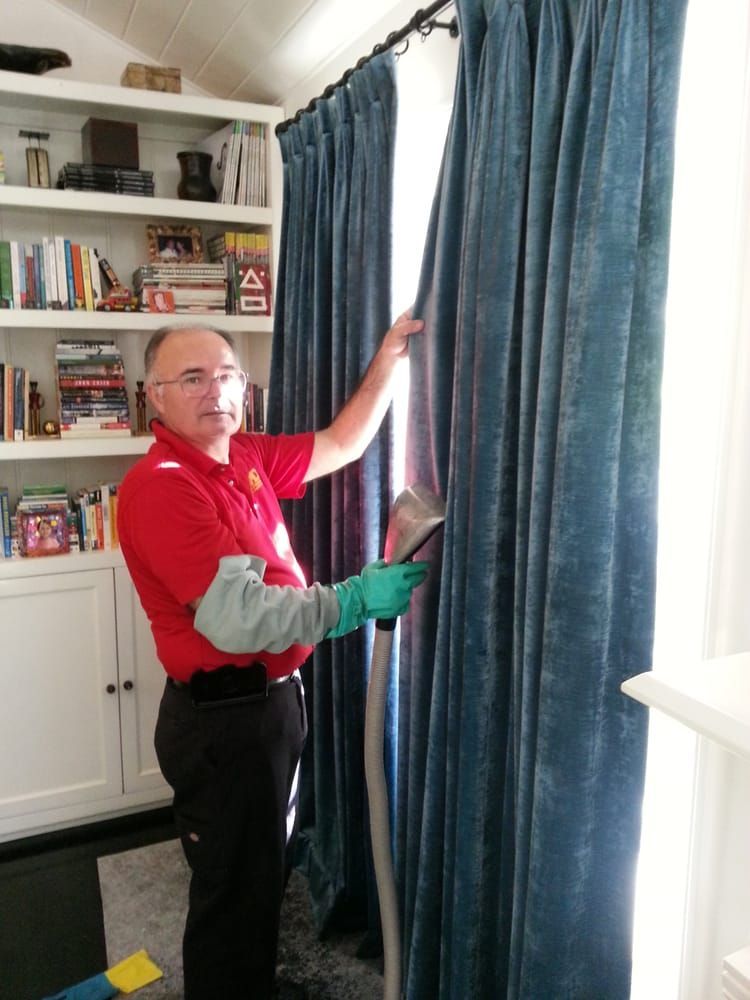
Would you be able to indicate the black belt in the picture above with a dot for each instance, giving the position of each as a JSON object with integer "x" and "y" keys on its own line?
{"x": 230, "y": 684}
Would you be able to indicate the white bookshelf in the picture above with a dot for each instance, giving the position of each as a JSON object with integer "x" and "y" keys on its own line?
{"x": 116, "y": 226}
{"x": 110, "y": 684}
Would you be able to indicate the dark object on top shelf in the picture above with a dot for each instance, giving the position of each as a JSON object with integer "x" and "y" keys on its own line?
{"x": 27, "y": 59}
{"x": 110, "y": 144}
{"x": 195, "y": 180}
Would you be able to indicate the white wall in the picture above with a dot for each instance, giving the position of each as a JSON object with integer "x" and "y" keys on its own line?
{"x": 96, "y": 56}
{"x": 435, "y": 62}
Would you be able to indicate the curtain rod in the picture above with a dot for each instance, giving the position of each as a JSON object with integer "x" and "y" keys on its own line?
{"x": 423, "y": 21}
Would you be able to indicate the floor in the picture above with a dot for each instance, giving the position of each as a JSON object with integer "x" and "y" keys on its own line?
{"x": 50, "y": 908}
{"x": 52, "y": 924}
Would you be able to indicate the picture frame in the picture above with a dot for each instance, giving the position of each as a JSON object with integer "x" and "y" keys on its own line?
{"x": 174, "y": 244}
{"x": 159, "y": 299}
{"x": 43, "y": 532}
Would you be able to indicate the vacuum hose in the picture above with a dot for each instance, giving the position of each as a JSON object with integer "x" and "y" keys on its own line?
{"x": 377, "y": 792}
{"x": 417, "y": 513}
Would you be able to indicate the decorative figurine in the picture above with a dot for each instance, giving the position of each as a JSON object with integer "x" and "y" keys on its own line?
{"x": 36, "y": 402}
{"x": 140, "y": 409}
{"x": 27, "y": 59}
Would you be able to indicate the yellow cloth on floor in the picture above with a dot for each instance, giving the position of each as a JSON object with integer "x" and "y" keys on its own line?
{"x": 134, "y": 972}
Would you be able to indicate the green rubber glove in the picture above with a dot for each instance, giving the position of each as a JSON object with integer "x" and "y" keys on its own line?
{"x": 380, "y": 591}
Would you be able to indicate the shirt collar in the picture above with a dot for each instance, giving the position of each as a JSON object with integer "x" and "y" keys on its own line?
{"x": 187, "y": 452}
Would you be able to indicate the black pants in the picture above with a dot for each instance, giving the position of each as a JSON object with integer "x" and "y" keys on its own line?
{"x": 233, "y": 769}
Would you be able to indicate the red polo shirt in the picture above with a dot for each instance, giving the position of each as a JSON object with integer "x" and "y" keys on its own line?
{"x": 179, "y": 512}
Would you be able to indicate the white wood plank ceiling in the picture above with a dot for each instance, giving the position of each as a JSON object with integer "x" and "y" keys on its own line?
{"x": 251, "y": 50}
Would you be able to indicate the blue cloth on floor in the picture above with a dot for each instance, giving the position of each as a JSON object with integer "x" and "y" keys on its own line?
{"x": 96, "y": 988}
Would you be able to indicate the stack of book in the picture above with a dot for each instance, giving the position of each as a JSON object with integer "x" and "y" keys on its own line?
{"x": 42, "y": 520}
{"x": 92, "y": 393}
{"x": 240, "y": 148}
{"x": 14, "y": 403}
{"x": 54, "y": 274}
{"x": 194, "y": 287}
{"x": 241, "y": 248}
{"x": 256, "y": 409}
{"x": 115, "y": 180}
{"x": 246, "y": 260}
{"x": 95, "y": 516}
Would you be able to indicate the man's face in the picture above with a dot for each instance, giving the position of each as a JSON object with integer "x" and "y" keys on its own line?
{"x": 205, "y": 421}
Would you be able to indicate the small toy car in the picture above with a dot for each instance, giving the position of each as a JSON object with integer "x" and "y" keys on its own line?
{"x": 119, "y": 299}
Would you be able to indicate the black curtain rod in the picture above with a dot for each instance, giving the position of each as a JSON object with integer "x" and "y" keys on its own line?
{"x": 422, "y": 21}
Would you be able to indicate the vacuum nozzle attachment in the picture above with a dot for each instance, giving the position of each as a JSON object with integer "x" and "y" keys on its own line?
{"x": 416, "y": 514}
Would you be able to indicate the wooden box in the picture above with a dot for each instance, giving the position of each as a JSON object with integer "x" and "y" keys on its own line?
{"x": 110, "y": 144}
{"x": 143, "y": 77}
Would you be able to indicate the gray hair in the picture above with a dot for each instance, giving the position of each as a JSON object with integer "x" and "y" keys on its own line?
{"x": 160, "y": 335}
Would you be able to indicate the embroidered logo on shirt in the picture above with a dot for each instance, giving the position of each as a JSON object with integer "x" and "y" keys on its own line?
{"x": 254, "y": 481}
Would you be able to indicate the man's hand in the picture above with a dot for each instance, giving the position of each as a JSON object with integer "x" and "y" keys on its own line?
{"x": 380, "y": 591}
{"x": 352, "y": 429}
{"x": 396, "y": 341}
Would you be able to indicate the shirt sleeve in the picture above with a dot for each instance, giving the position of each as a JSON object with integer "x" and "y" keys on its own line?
{"x": 285, "y": 459}
{"x": 175, "y": 531}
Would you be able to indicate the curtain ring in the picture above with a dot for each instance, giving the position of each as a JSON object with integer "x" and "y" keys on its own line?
{"x": 403, "y": 51}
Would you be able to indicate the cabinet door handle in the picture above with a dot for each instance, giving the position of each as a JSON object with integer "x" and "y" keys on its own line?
{"x": 128, "y": 685}
{"x": 111, "y": 689}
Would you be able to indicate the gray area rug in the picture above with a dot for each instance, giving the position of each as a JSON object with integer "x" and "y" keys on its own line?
{"x": 144, "y": 899}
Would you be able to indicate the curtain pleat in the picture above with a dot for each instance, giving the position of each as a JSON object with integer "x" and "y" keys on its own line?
{"x": 534, "y": 409}
{"x": 332, "y": 309}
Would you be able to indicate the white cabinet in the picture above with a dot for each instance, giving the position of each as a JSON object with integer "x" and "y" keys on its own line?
{"x": 141, "y": 680}
{"x": 76, "y": 726}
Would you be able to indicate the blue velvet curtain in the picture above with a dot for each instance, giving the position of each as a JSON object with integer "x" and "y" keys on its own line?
{"x": 535, "y": 411}
{"x": 332, "y": 309}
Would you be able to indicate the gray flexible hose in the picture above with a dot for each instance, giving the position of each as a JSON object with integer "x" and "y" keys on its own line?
{"x": 377, "y": 792}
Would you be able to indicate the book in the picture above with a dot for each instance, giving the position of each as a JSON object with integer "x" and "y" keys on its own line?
{"x": 252, "y": 289}
{"x": 229, "y": 188}
{"x": 217, "y": 145}
{"x": 61, "y": 272}
{"x": 6, "y": 276}
{"x": 19, "y": 291}
{"x": 79, "y": 299}
{"x": 96, "y": 275}
{"x": 8, "y": 400}
{"x": 69, "y": 274}
{"x": 5, "y": 521}
{"x": 31, "y": 289}
{"x": 43, "y": 493}
{"x": 88, "y": 290}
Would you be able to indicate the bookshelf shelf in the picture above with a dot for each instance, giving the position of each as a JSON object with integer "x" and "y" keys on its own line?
{"x": 74, "y": 562}
{"x": 133, "y": 206}
{"x": 55, "y": 94}
{"x": 25, "y": 451}
{"x": 79, "y": 319}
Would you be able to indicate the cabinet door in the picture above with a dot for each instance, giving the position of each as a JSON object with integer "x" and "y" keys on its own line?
{"x": 59, "y": 720}
{"x": 142, "y": 680}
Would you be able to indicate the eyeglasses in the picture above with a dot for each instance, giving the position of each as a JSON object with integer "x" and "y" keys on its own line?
{"x": 195, "y": 384}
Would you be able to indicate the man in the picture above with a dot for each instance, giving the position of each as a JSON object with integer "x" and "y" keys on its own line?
{"x": 203, "y": 536}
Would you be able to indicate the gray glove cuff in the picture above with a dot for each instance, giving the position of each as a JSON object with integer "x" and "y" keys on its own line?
{"x": 240, "y": 614}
